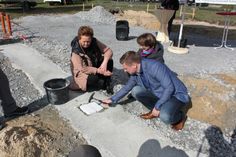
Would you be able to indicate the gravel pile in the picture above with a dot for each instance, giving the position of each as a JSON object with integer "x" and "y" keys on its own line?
{"x": 98, "y": 15}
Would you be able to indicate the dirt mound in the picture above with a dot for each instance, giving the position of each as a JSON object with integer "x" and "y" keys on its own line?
{"x": 44, "y": 135}
{"x": 140, "y": 18}
{"x": 27, "y": 140}
{"x": 213, "y": 99}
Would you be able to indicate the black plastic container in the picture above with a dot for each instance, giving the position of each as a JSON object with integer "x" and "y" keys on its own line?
{"x": 57, "y": 90}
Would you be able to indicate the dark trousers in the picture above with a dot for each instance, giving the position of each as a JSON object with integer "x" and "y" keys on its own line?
{"x": 8, "y": 102}
{"x": 170, "y": 23}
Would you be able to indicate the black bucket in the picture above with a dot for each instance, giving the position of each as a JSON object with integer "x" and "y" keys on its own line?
{"x": 57, "y": 90}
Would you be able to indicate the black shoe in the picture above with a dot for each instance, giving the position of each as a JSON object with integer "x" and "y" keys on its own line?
{"x": 18, "y": 112}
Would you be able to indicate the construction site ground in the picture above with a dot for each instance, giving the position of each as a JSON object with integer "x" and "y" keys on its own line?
{"x": 209, "y": 74}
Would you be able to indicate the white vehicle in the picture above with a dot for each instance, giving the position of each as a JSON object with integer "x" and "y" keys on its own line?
{"x": 52, "y": 2}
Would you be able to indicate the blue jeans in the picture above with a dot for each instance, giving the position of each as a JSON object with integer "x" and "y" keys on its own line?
{"x": 170, "y": 111}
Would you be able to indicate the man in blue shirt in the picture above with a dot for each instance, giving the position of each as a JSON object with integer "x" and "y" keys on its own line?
{"x": 155, "y": 86}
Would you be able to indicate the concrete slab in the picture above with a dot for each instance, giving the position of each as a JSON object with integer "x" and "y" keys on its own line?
{"x": 114, "y": 132}
{"x": 38, "y": 68}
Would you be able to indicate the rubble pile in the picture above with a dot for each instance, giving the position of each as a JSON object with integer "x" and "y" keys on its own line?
{"x": 97, "y": 14}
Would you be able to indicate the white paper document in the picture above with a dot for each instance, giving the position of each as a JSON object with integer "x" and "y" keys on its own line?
{"x": 91, "y": 108}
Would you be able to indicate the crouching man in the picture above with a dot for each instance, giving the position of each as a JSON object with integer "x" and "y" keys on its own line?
{"x": 155, "y": 86}
{"x": 90, "y": 57}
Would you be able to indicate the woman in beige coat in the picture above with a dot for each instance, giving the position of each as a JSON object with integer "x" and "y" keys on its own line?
{"x": 90, "y": 57}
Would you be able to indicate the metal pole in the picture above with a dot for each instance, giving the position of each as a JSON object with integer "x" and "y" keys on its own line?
{"x": 181, "y": 26}
{"x": 147, "y": 7}
{"x": 3, "y": 23}
{"x": 9, "y": 24}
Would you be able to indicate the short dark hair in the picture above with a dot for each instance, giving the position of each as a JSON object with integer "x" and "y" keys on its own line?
{"x": 147, "y": 39}
{"x": 85, "y": 30}
{"x": 130, "y": 57}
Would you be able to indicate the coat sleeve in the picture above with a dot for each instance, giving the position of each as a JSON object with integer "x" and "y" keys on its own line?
{"x": 162, "y": 75}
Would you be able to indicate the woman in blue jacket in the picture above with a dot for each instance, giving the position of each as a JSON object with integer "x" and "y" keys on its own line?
{"x": 150, "y": 48}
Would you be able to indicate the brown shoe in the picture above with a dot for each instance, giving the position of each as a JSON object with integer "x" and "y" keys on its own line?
{"x": 179, "y": 126}
{"x": 147, "y": 115}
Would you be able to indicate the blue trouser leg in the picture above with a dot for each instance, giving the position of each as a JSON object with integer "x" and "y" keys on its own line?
{"x": 170, "y": 111}
{"x": 146, "y": 97}
{"x": 8, "y": 102}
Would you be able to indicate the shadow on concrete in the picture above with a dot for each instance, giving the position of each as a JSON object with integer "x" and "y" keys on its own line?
{"x": 132, "y": 37}
{"x": 9, "y": 41}
{"x": 219, "y": 146}
{"x": 38, "y": 104}
{"x": 203, "y": 36}
{"x": 152, "y": 148}
{"x": 33, "y": 107}
{"x": 18, "y": 39}
{"x": 119, "y": 76}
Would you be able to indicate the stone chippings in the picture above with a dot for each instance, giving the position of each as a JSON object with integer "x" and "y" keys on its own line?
{"x": 97, "y": 15}
{"x": 22, "y": 89}
{"x": 196, "y": 135}
{"x": 57, "y": 52}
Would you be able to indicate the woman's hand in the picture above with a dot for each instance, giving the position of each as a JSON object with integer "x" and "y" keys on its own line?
{"x": 103, "y": 67}
{"x": 103, "y": 70}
